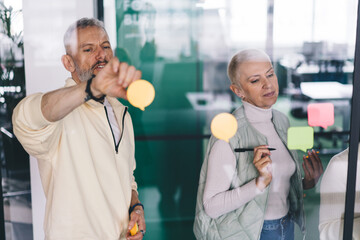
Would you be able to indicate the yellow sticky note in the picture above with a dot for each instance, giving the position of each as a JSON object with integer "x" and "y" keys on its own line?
{"x": 140, "y": 94}
{"x": 134, "y": 230}
{"x": 224, "y": 126}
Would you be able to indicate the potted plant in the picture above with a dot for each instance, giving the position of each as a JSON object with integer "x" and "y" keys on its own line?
{"x": 12, "y": 43}
{"x": 12, "y": 71}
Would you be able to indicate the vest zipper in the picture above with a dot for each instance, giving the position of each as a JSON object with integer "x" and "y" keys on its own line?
{"x": 122, "y": 129}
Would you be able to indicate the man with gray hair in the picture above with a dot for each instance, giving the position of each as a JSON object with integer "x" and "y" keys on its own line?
{"x": 83, "y": 139}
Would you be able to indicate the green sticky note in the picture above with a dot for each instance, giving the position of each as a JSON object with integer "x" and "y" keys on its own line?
{"x": 301, "y": 138}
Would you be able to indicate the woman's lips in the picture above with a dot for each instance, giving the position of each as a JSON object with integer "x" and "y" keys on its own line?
{"x": 270, "y": 94}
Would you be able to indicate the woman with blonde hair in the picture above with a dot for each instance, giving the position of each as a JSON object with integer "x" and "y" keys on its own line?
{"x": 253, "y": 194}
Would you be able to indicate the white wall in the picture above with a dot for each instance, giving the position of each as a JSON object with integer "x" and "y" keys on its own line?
{"x": 110, "y": 20}
{"x": 44, "y": 25}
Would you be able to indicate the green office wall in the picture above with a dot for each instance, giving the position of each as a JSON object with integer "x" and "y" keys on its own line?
{"x": 169, "y": 143}
{"x": 183, "y": 48}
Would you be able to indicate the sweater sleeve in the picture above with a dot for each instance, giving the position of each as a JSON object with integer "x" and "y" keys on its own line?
{"x": 37, "y": 135}
{"x": 218, "y": 199}
{"x": 332, "y": 203}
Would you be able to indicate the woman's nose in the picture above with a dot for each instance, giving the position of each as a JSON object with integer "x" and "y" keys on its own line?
{"x": 266, "y": 82}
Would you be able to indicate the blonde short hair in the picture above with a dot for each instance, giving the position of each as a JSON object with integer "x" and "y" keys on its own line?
{"x": 247, "y": 55}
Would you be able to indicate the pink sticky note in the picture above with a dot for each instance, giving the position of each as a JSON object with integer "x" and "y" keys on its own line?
{"x": 320, "y": 114}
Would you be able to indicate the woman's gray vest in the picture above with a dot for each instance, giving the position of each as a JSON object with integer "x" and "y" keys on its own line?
{"x": 245, "y": 223}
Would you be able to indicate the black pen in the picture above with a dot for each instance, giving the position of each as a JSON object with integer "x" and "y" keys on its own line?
{"x": 249, "y": 149}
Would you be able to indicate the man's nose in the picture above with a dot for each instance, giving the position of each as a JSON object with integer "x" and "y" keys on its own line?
{"x": 100, "y": 54}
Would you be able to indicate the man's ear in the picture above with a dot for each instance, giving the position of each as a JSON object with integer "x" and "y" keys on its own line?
{"x": 68, "y": 63}
{"x": 237, "y": 90}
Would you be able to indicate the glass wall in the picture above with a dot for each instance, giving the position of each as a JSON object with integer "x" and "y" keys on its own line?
{"x": 183, "y": 48}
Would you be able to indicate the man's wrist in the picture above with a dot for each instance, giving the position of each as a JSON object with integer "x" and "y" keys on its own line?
{"x": 137, "y": 206}
{"x": 89, "y": 93}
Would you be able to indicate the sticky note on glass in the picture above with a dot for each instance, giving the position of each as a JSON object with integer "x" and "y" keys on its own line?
{"x": 300, "y": 138}
{"x": 140, "y": 94}
{"x": 320, "y": 114}
{"x": 224, "y": 126}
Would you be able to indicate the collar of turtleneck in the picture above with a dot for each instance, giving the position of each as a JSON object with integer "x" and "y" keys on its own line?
{"x": 255, "y": 114}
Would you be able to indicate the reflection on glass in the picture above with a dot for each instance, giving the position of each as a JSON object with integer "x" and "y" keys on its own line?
{"x": 183, "y": 47}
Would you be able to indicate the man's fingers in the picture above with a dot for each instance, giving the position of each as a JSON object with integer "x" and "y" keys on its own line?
{"x": 134, "y": 217}
{"x": 137, "y": 217}
{"x": 142, "y": 225}
{"x": 117, "y": 77}
{"x": 114, "y": 63}
{"x": 130, "y": 76}
{"x": 131, "y": 224}
{"x": 137, "y": 236}
{"x": 137, "y": 75}
{"x": 122, "y": 72}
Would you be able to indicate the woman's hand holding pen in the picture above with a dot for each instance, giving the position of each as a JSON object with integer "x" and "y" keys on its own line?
{"x": 312, "y": 168}
{"x": 262, "y": 163}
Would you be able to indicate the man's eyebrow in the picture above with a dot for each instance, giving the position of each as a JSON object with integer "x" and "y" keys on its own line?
{"x": 91, "y": 44}
{"x": 85, "y": 45}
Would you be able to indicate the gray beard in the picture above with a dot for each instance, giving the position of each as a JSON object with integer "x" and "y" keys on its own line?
{"x": 84, "y": 75}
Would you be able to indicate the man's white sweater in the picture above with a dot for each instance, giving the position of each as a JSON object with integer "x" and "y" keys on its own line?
{"x": 87, "y": 183}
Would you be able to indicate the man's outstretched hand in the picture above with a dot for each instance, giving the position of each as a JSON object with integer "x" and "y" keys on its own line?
{"x": 114, "y": 79}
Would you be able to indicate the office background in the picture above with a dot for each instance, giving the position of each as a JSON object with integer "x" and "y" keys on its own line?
{"x": 182, "y": 48}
